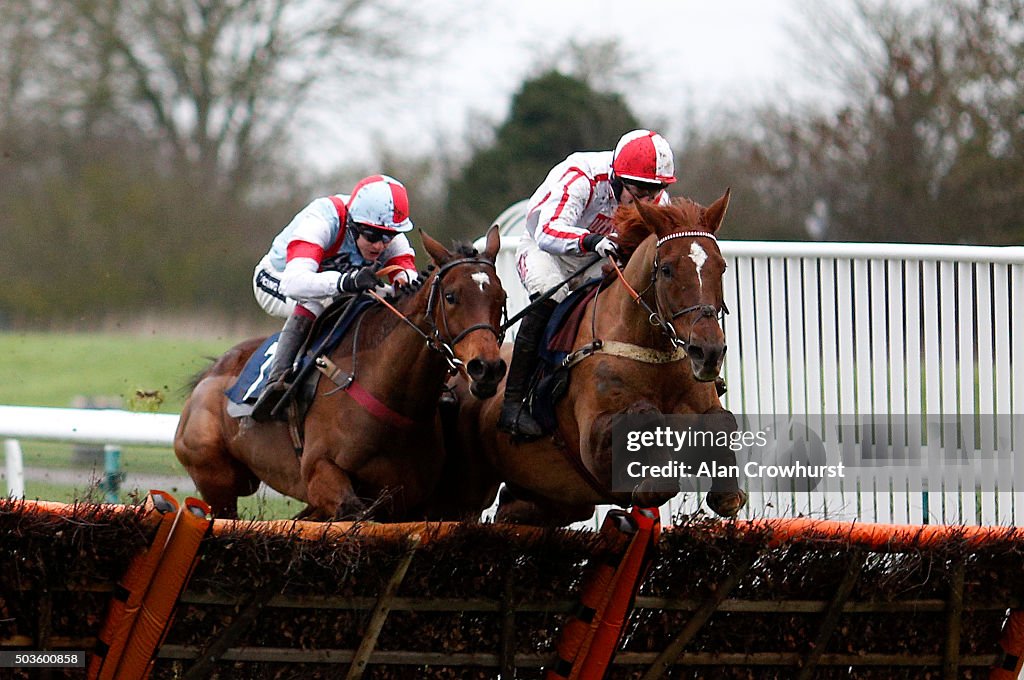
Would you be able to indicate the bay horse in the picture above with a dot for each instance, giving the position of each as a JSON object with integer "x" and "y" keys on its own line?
{"x": 351, "y": 454}
{"x": 662, "y": 349}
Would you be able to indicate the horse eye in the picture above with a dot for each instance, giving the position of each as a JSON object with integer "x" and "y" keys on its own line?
{"x": 666, "y": 270}
{"x": 450, "y": 298}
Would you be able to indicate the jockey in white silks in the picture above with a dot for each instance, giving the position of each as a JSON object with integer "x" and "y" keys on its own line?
{"x": 568, "y": 218}
{"x": 332, "y": 247}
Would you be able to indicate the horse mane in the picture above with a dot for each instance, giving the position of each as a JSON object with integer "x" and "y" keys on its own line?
{"x": 632, "y": 229}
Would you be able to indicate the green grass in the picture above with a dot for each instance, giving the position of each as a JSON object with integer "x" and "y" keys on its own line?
{"x": 45, "y": 369}
{"x": 137, "y": 459}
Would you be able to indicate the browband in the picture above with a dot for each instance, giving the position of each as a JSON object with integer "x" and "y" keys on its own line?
{"x": 684, "y": 234}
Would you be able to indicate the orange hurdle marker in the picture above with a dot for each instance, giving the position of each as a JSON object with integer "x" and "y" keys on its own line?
{"x": 635, "y": 565}
{"x": 1012, "y": 659}
{"x": 128, "y": 593}
{"x": 590, "y": 636}
{"x": 594, "y": 593}
{"x": 172, "y": 574}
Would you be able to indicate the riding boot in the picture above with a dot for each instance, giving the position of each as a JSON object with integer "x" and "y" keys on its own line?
{"x": 288, "y": 343}
{"x": 515, "y": 417}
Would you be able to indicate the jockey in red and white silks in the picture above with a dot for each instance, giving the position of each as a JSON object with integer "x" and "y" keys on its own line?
{"x": 570, "y": 216}
{"x": 332, "y": 247}
{"x": 576, "y": 199}
{"x": 317, "y": 237}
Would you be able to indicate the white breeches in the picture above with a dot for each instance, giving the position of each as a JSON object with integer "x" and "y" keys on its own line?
{"x": 266, "y": 283}
{"x": 540, "y": 271}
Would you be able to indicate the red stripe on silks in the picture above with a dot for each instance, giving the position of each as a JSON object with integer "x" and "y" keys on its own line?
{"x": 302, "y": 311}
{"x": 404, "y": 261}
{"x": 377, "y": 408}
{"x": 561, "y": 204}
{"x": 297, "y": 249}
{"x": 340, "y": 206}
{"x": 342, "y": 209}
{"x": 364, "y": 181}
{"x": 400, "y": 199}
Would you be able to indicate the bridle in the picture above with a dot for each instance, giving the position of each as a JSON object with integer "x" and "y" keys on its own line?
{"x": 664, "y": 320}
{"x": 435, "y": 341}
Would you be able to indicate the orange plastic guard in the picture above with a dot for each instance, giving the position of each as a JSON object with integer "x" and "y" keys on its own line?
{"x": 578, "y": 631}
{"x": 171, "y": 575}
{"x": 635, "y": 565}
{"x": 1011, "y": 661}
{"x": 128, "y": 594}
{"x": 879, "y": 537}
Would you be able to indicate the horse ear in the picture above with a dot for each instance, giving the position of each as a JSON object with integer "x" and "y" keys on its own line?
{"x": 438, "y": 253}
{"x": 652, "y": 218}
{"x": 716, "y": 212}
{"x": 493, "y": 243}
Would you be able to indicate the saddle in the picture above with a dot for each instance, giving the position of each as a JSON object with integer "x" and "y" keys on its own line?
{"x": 325, "y": 335}
{"x": 550, "y": 381}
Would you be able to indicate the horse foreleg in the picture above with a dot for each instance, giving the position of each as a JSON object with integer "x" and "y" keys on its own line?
{"x": 519, "y": 506}
{"x": 331, "y": 493}
{"x": 726, "y": 497}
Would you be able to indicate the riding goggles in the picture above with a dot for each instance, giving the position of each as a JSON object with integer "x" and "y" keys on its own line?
{"x": 643, "y": 190}
{"x": 372, "y": 234}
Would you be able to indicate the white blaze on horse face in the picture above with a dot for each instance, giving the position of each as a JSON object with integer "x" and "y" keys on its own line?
{"x": 699, "y": 257}
{"x": 481, "y": 279}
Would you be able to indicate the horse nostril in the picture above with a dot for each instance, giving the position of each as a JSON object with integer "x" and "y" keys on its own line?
{"x": 500, "y": 368}
{"x": 475, "y": 368}
{"x": 695, "y": 352}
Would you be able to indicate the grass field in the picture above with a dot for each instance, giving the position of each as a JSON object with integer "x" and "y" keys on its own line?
{"x": 45, "y": 369}
{"x": 63, "y": 370}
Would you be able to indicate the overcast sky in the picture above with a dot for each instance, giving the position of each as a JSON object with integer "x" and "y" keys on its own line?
{"x": 695, "y": 55}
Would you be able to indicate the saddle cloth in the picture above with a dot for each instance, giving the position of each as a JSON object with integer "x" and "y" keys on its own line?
{"x": 323, "y": 339}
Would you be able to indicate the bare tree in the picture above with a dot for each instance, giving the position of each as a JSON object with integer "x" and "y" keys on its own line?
{"x": 923, "y": 141}
{"x": 219, "y": 82}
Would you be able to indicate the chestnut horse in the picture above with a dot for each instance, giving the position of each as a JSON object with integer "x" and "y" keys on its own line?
{"x": 352, "y": 455}
{"x": 661, "y": 350}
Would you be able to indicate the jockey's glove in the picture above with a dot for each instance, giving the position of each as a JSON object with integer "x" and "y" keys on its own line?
{"x": 602, "y": 245}
{"x": 359, "y": 280}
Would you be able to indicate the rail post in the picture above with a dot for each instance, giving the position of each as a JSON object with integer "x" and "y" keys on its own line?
{"x": 15, "y": 469}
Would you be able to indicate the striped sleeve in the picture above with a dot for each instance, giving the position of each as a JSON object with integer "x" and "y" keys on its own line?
{"x": 400, "y": 252}
{"x": 559, "y": 213}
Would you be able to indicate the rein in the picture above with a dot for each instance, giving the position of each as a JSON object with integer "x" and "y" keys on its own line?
{"x": 434, "y": 341}
{"x": 549, "y": 292}
{"x": 445, "y": 347}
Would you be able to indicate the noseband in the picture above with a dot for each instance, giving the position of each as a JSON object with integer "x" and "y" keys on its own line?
{"x": 659, "y": 318}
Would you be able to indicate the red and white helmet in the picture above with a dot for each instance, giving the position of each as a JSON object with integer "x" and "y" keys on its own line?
{"x": 380, "y": 202}
{"x": 644, "y": 156}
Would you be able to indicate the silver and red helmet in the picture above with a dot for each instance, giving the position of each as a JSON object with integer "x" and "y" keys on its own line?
{"x": 380, "y": 202}
{"x": 644, "y": 156}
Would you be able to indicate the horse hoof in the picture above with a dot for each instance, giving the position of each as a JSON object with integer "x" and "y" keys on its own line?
{"x": 727, "y": 503}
